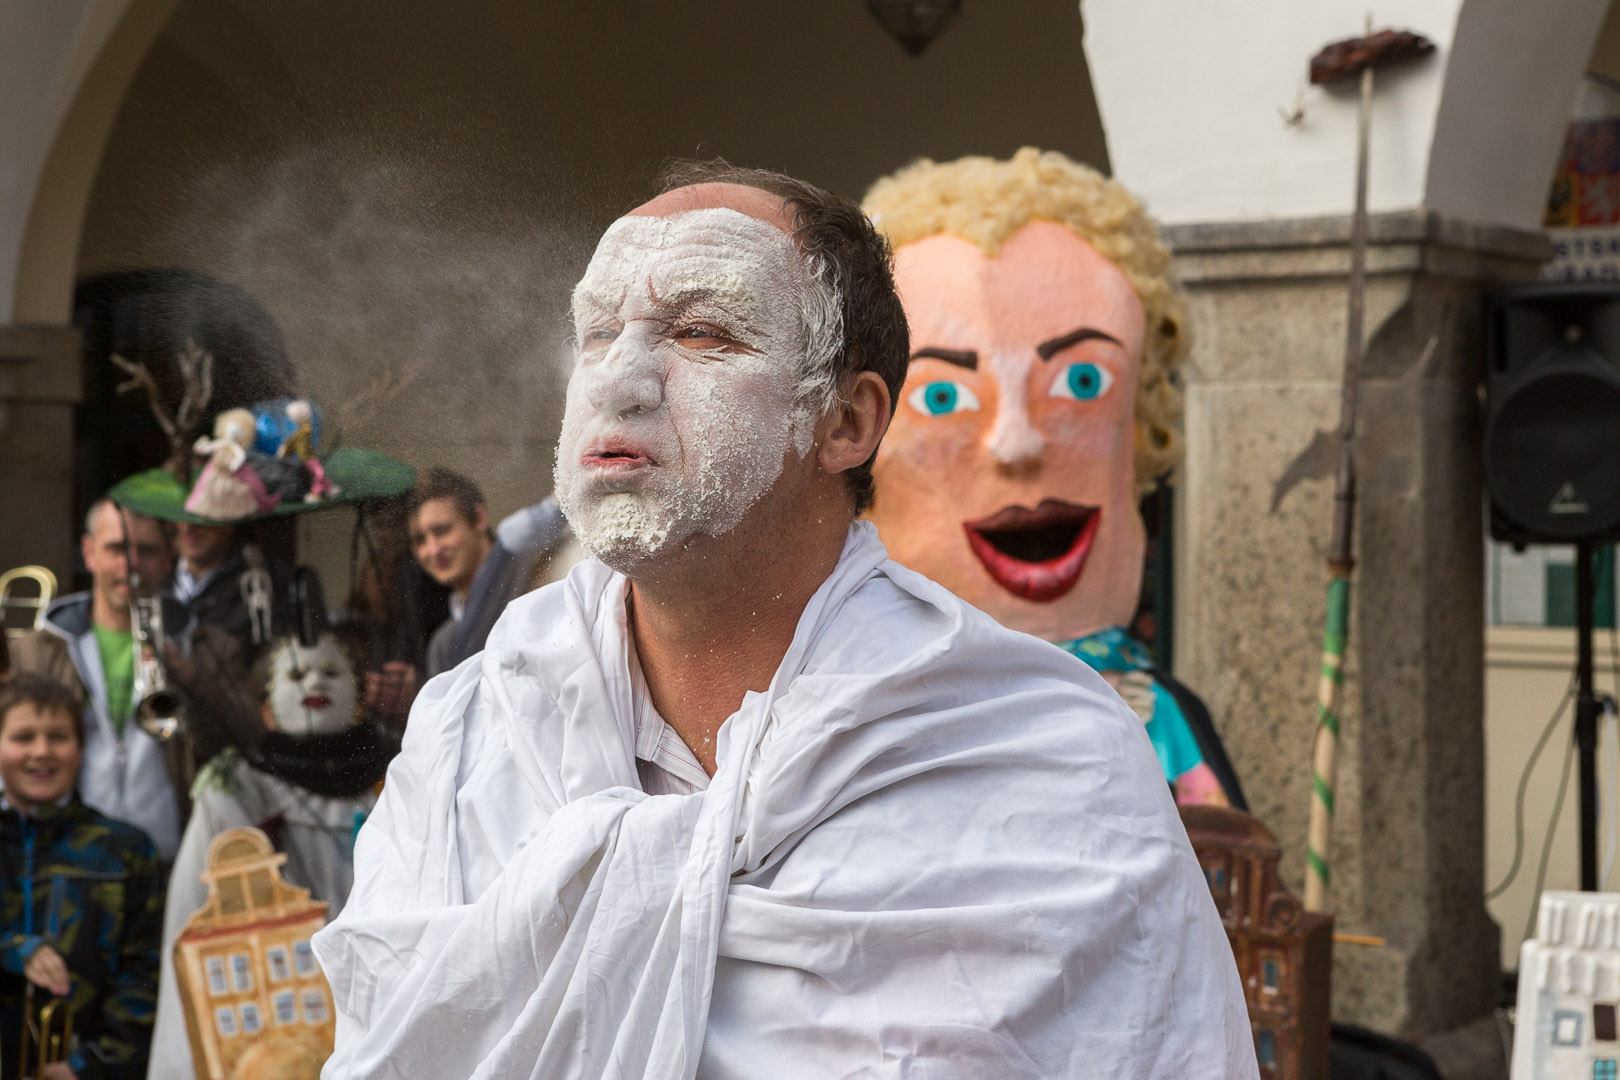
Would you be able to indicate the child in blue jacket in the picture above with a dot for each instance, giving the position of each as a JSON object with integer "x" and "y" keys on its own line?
{"x": 81, "y": 895}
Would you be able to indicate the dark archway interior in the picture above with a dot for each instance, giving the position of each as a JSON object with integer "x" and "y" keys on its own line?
{"x": 410, "y": 189}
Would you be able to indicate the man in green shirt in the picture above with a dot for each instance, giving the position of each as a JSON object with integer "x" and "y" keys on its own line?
{"x": 117, "y": 649}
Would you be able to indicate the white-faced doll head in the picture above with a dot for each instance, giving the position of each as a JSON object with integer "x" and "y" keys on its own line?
{"x": 313, "y": 690}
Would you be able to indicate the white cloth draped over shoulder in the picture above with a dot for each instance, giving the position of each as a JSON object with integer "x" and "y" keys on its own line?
{"x": 934, "y": 847}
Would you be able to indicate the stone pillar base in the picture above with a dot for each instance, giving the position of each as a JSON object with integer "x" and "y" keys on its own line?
{"x": 1268, "y": 303}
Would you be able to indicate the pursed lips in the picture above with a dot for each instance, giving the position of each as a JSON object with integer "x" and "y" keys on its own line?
{"x": 616, "y": 455}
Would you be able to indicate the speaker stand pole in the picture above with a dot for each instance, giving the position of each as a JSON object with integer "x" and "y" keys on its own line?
{"x": 1586, "y": 716}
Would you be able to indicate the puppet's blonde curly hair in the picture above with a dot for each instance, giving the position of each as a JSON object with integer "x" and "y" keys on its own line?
{"x": 985, "y": 201}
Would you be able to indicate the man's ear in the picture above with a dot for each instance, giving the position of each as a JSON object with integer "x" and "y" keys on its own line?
{"x": 857, "y": 426}
{"x": 87, "y": 549}
{"x": 481, "y": 519}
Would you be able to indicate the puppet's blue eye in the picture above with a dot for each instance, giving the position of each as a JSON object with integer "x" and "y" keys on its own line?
{"x": 1082, "y": 382}
{"x": 942, "y": 398}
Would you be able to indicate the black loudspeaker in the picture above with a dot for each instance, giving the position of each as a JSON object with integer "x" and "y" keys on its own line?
{"x": 1552, "y": 419}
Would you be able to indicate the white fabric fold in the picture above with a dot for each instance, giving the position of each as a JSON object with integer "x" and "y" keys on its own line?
{"x": 933, "y": 847}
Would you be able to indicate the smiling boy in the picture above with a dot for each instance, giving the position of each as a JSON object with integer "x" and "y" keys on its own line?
{"x": 82, "y": 897}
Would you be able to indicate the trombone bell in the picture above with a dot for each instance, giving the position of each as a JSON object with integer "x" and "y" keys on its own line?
{"x": 159, "y": 714}
{"x": 159, "y": 708}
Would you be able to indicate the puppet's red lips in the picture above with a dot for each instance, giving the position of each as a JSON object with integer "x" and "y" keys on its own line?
{"x": 316, "y": 701}
{"x": 1036, "y": 554}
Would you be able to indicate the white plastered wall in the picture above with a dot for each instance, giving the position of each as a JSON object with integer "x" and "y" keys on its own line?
{"x": 1193, "y": 96}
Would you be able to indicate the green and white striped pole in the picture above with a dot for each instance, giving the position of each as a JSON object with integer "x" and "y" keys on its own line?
{"x": 1334, "y": 640}
{"x": 1336, "y": 635}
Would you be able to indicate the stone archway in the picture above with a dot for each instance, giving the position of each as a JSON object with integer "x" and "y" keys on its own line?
{"x": 74, "y": 61}
{"x": 1510, "y": 82}
{"x": 66, "y": 66}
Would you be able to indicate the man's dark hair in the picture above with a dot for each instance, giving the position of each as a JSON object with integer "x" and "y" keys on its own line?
{"x": 840, "y": 242}
{"x": 44, "y": 694}
{"x": 441, "y": 483}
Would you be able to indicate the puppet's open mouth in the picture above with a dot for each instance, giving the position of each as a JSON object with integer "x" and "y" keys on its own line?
{"x": 316, "y": 701}
{"x": 1037, "y": 554}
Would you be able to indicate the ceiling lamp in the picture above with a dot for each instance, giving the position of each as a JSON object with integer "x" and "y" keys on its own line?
{"x": 915, "y": 23}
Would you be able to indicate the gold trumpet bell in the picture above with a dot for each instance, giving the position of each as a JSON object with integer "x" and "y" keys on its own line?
{"x": 50, "y": 1038}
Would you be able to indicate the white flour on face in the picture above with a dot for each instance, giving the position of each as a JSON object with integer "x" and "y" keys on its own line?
{"x": 691, "y": 337}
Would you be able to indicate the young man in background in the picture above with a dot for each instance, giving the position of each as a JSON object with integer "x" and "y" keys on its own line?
{"x": 483, "y": 568}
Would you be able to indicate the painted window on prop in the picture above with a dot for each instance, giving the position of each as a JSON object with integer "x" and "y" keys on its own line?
{"x": 280, "y": 966}
{"x": 1218, "y": 875}
{"x": 1271, "y": 972}
{"x": 1603, "y": 1023}
{"x": 1265, "y": 1048}
{"x": 1604, "y": 1069}
{"x": 217, "y": 986}
{"x": 286, "y": 1007}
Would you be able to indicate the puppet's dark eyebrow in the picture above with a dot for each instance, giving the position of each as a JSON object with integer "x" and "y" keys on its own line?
{"x": 960, "y": 357}
{"x": 1049, "y": 349}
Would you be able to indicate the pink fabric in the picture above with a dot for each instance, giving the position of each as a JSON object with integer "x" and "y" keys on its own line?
{"x": 1198, "y": 786}
{"x": 227, "y": 496}
{"x": 320, "y": 485}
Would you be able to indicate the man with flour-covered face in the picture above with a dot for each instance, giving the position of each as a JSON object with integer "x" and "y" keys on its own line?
{"x": 741, "y": 796}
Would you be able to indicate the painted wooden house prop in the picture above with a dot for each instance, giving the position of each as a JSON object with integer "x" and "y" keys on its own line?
{"x": 1569, "y": 990}
{"x": 1284, "y": 953}
{"x": 253, "y": 993}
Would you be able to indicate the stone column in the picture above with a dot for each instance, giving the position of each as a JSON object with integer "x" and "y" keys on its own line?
{"x": 1269, "y": 307}
{"x": 39, "y": 385}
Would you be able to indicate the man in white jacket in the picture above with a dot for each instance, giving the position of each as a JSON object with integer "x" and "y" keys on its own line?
{"x": 741, "y": 797}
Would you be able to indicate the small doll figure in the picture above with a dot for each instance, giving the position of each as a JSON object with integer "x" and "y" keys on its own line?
{"x": 300, "y": 446}
{"x": 228, "y": 488}
{"x": 301, "y": 443}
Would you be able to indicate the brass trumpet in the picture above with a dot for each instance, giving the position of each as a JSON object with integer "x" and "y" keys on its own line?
{"x": 52, "y": 1037}
{"x": 159, "y": 708}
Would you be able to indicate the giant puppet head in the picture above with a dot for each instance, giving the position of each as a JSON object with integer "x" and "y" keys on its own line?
{"x": 1038, "y": 406}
